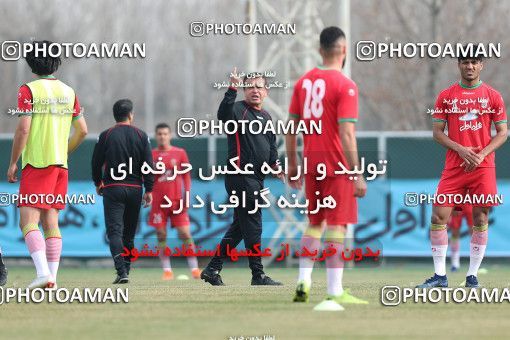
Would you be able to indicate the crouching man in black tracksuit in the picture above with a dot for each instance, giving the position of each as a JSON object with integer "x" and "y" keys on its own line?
{"x": 117, "y": 161}
{"x": 249, "y": 148}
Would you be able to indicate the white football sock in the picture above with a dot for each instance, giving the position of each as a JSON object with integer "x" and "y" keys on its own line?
{"x": 305, "y": 270}
{"x": 40, "y": 262}
{"x": 192, "y": 262}
{"x": 53, "y": 266}
{"x": 476, "y": 255}
{"x": 165, "y": 263}
{"x": 439, "y": 257}
{"x": 334, "y": 276}
{"x": 455, "y": 258}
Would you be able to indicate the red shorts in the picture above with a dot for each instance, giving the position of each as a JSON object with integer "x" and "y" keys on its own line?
{"x": 43, "y": 188}
{"x": 341, "y": 188}
{"x": 158, "y": 216}
{"x": 466, "y": 211}
{"x": 481, "y": 181}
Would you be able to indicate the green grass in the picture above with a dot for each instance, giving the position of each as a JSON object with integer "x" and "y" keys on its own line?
{"x": 195, "y": 310}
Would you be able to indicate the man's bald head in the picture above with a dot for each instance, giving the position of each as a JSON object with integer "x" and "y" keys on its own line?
{"x": 332, "y": 41}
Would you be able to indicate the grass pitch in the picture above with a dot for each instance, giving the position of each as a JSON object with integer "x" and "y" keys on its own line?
{"x": 195, "y": 310}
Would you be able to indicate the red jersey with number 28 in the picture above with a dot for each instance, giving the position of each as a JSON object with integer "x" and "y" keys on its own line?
{"x": 173, "y": 189}
{"x": 469, "y": 113}
{"x": 328, "y": 96}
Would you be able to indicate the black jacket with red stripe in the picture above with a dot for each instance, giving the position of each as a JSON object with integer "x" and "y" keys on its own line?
{"x": 117, "y": 145}
{"x": 250, "y": 148}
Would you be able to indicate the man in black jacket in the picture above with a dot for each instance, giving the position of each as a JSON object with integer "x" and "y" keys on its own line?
{"x": 251, "y": 148}
{"x": 119, "y": 155}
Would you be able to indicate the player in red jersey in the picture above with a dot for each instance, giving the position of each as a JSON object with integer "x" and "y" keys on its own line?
{"x": 172, "y": 156}
{"x": 469, "y": 108}
{"x": 454, "y": 224}
{"x": 325, "y": 94}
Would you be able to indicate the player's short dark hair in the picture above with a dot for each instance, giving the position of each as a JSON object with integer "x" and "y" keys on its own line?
{"x": 163, "y": 126}
{"x": 121, "y": 109}
{"x": 329, "y": 36}
{"x": 469, "y": 53}
{"x": 39, "y": 59}
{"x": 254, "y": 75}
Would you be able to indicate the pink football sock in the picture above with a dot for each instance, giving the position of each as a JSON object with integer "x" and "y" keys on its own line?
{"x": 335, "y": 268}
{"x": 53, "y": 249}
{"x": 306, "y": 263}
{"x": 37, "y": 248}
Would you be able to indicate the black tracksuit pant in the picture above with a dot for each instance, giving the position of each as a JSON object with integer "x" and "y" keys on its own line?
{"x": 121, "y": 210}
{"x": 247, "y": 227}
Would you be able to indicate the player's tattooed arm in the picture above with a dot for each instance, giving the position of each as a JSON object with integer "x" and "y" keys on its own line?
{"x": 291, "y": 139}
{"x": 350, "y": 147}
{"x": 291, "y": 149}
{"x": 273, "y": 157}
